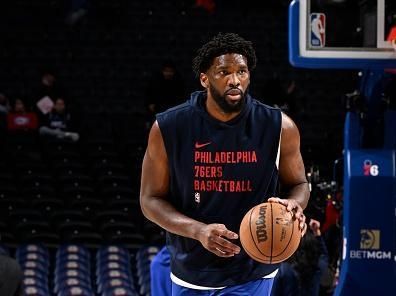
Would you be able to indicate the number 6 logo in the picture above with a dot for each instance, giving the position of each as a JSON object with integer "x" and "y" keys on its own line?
{"x": 374, "y": 171}
{"x": 370, "y": 169}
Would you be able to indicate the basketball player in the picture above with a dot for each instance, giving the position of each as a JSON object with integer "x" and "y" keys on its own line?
{"x": 211, "y": 159}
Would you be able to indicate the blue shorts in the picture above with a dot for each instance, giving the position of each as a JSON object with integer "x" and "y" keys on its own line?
{"x": 261, "y": 287}
{"x": 161, "y": 283}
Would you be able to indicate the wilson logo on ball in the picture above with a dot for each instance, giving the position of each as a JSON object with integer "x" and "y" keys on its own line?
{"x": 261, "y": 233}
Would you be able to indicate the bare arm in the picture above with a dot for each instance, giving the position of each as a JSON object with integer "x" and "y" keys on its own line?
{"x": 156, "y": 207}
{"x": 291, "y": 165}
{"x": 292, "y": 171}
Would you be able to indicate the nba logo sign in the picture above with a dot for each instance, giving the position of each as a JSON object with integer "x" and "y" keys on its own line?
{"x": 318, "y": 29}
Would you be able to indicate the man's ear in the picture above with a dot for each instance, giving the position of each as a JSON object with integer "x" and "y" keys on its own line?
{"x": 204, "y": 80}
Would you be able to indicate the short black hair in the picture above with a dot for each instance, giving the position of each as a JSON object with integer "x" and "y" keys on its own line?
{"x": 221, "y": 44}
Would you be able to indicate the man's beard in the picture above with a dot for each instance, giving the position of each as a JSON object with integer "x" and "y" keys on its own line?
{"x": 226, "y": 106}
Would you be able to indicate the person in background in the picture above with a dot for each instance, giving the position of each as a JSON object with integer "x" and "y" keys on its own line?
{"x": 49, "y": 86}
{"x": 164, "y": 89}
{"x": 19, "y": 119}
{"x": 301, "y": 274}
{"x": 44, "y": 94}
{"x": 59, "y": 123}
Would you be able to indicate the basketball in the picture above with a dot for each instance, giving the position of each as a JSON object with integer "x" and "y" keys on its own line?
{"x": 269, "y": 233}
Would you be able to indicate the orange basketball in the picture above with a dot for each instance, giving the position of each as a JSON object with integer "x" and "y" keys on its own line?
{"x": 269, "y": 233}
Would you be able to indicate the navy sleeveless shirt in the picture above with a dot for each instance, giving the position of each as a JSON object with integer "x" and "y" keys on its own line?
{"x": 218, "y": 171}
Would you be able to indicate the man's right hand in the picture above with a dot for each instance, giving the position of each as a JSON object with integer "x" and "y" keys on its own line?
{"x": 215, "y": 238}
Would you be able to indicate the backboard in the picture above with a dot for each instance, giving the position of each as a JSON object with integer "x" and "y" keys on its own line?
{"x": 342, "y": 33}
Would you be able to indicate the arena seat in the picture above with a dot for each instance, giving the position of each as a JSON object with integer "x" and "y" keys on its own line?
{"x": 113, "y": 270}
{"x": 73, "y": 270}
{"x": 34, "y": 260}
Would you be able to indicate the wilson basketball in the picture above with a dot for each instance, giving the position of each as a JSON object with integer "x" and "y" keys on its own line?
{"x": 269, "y": 233}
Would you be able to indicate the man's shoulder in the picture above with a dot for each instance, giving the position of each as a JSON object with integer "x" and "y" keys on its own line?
{"x": 287, "y": 122}
{"x": 188, "y": 106}
{"x": 175, "y": 115}
{"x": 264, "y": 111}
{"x": 259, "y": 104}
{"x": 183, "y": 107}
{"x": 176, "y": 110}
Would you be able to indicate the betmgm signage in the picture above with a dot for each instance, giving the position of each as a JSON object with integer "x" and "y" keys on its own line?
{"x": 370, "y": 246}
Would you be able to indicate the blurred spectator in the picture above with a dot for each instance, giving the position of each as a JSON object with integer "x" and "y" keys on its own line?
{"x": 4, "y": 104}
{"x": 332, "y": 234}
{"x": 59, "y": 124}
{"x": 333, "y": 238}
{"x": 301, "y": 274}
{"x": 19, "y": 119}
{"x": 10, "y": 276}
{"x": 49, "y": 85}
{"x": 46, "y": 92}
{"x": 165, "y": 89}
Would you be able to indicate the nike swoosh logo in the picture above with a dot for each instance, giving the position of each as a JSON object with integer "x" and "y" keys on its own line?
{"x": 200, "y": 145}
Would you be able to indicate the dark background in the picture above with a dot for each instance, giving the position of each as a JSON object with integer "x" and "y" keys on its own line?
{"x": 105, "y": 58}
{"x": 103, "y": 62}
